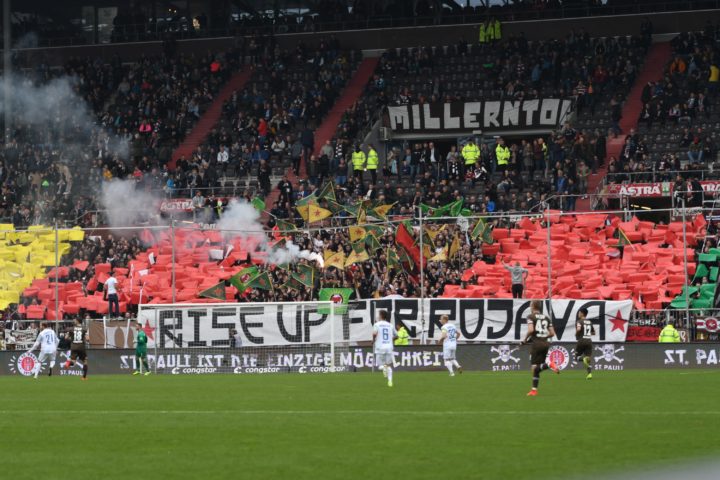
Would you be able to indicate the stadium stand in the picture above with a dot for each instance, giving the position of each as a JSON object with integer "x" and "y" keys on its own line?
{"x": 269, "y": 120}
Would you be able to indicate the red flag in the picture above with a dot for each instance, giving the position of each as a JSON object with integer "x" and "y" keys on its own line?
{"x": 467, "y": 276}
{"x": 404, "y": 239}
{"x": 81, "y": 265}
{"x": 699, "y": 222}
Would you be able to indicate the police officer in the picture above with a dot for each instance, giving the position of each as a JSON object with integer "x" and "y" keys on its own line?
{"x": 372, "y": 163}
{"x": 482, "y": 36}
{"x": 497, "y": 30}
{"x": 470, "y": 153}
{"x": 669, "y": 334}
{"x": 358, "y": 162}
{"x": 403, "y": 338}
{"x": 502, "y": 154}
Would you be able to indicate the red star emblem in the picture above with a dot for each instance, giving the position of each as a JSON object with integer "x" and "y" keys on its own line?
{"x": 148, "y": 330}
{"x": 618, "y": 322}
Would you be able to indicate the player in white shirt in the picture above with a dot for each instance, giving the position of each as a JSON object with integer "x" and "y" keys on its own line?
{"x": 383, "y": 336}
{"x": 48, "y": 341}
{"x": 449, "y": 339}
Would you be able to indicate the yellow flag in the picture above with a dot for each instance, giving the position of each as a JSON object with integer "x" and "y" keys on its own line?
{"x": 434, "y": 233}
{"x": 361, "y": 216}
{"x": 440, "y": 257}
{"x": 356, "y": 257}
{"x": 427, "y": 252}
{"x": 383, "y": 210}
{"x": 317, "y": 213}
{"x": 356, "y": 233}
{"x": 454, "y": 247}
{"x": 303, "y": 211}
{"x": 335, "y": 259}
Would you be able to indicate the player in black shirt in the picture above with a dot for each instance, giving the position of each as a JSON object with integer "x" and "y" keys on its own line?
{"x": 584, "y": 330}
{"x": 539, "y": 330}
{"x": 77, "y": 348}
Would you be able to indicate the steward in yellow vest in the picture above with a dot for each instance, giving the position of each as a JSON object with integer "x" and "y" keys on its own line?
{"x": 358, "y": 162}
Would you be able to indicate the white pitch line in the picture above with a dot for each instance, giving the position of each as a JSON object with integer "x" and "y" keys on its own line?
{"x": 358, "y": 412}
{"x": 711, "y": 372}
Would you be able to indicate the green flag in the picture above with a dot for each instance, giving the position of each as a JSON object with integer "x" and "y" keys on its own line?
{"x": 285, "y": 226}
{"x": 312, "y": 198}
{"x": 261, "y": 282}
{"x": 339, "y": 296}
{"x": 241, "y": 279}
{"x": 392, "y": 259}
{"x": 327, "y": 192}
{"x": 352, "y": 209}
{"x": 306, "y": 274}
{"x": 427, "y": 210}
{"x": 450, "y": 210}
{"x": 372, "y": 243}
{"x": 217, "y": 292}
{"x": 478, "y": 229}
{"x": 456, "y": 207}
{"x": 376, "y": 230}
{"x": 258, "y": 203}
{"x": 482, "y": 230}
{"x": 293, "y": 283}
{"x": 333, "y": 206}
{"x": 405, "y": 259}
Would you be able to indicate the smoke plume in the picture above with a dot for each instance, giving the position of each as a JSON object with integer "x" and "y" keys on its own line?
{"x": 242, "y": 220}
{"x": 54, "y": 113}
{"x": 125, "y": 205}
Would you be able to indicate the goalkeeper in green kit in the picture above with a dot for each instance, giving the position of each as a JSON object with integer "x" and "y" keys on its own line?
{"x": 141, "y": 351}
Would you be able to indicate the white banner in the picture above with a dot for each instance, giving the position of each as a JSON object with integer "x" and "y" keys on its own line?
{"x": 477, "y": 320}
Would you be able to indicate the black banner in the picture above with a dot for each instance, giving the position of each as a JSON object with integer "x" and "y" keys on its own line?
{"x": 489, "y": 115}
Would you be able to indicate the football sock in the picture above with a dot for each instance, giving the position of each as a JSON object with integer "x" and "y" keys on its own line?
{"x": 389, "y": 370}
{"x": 147, "y": 367}
{"x": 456, "y": 364}
{"x": 85, "y": 369}
{"x": 536, "y": 375}
{"x": 449, "y": 366}
{"x": 586, "y": 362}
{"x": 544, "y": 366}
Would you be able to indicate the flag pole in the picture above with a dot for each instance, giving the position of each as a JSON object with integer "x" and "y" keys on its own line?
{"x": 685, "y": 264}
{"x": 422, "y": 280}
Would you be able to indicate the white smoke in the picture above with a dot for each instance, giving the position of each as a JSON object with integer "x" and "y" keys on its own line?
{"x": 125, "y": 205}
{"x": 242, "y": 220}
{"x": 56, "y": 113}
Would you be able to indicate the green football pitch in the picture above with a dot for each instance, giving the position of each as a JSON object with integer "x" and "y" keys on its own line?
{"x": 352, "y": 426}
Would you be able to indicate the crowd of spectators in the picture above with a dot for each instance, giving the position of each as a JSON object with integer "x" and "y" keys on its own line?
{"x": 680, "y": 121}
{"x": 270, "y": 123}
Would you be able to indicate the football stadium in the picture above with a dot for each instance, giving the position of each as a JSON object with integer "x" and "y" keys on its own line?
{"x": 322, "y": 239}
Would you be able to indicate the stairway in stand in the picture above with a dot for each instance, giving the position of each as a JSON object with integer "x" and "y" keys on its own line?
{"x": 327, "y": 128}
{"x": 210, "y": 118}
{"x": 652, "y": 70}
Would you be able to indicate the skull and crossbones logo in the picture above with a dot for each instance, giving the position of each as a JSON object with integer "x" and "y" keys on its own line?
{"x": 504, "y": 354}
{"x": 608, "y": 352}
